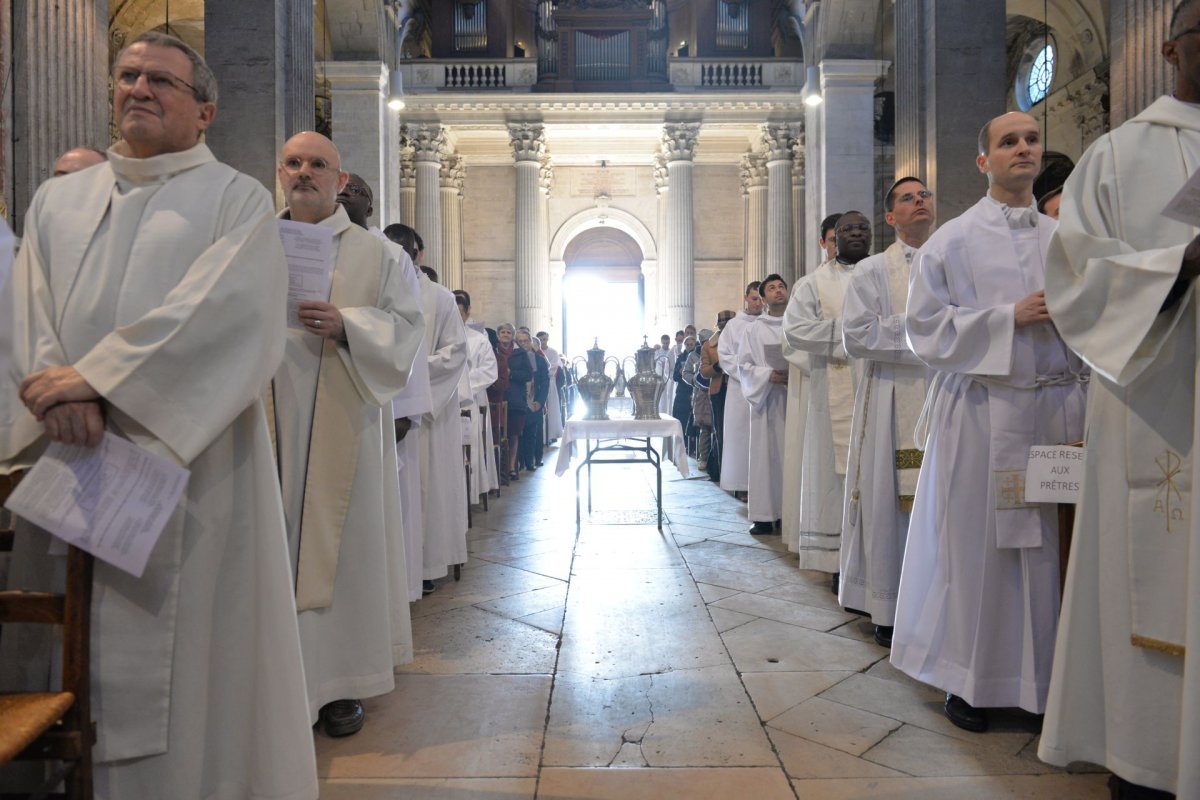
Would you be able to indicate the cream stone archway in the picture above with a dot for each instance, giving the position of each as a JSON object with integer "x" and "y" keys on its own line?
{"x": 597, "y": 216}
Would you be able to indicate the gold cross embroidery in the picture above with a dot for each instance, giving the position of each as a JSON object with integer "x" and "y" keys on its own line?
{"x": 1170, "y": 466}
{"x": 1012, "y": 490}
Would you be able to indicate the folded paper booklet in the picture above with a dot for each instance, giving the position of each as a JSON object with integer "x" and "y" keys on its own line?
{"x": 1185, "y": 205}
{"x": 775, "y": 359}
{"x": 309, "y": 253}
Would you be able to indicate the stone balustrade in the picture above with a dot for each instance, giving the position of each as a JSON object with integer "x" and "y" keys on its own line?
{"x": 731, "y": 74}
{"x": 469, "y": 74}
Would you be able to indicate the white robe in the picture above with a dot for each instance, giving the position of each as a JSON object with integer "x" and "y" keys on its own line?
{"x": 886, "y": 408}
{"x": 413, "y": 403}
{"x": 1134, "y": 709}
{"x": 443, "y": 486}
{"x": 735, "y": 436}
{"x": 768, "y": 409}
{"x": 351, "y": 644}
{"x": 793, "y": 448}
{"x": 979, "y": 587}
{"x": 481, "y": 372}
{"x": 554, "y": 425}
{"x": 162, "y": 281}
{"x": 812, "y": 324}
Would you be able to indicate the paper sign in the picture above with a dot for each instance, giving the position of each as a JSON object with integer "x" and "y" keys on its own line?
{"x": 112, "y": 500}
{"x": 774, "y": 355}
{"x": 1185, "y": 205}
{"x": 1054, "y": 474}
{"x": 309, "y": 252}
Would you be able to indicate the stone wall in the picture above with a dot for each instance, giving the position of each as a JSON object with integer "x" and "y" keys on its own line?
{"x": 1139, "y": 73}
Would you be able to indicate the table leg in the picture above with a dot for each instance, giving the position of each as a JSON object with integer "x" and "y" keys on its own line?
{"x": 589, "y": 466}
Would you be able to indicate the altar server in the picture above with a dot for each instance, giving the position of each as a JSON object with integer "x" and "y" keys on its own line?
{"x": 1125, "y": 692}
{"x": 881, "y": 470}
{"x": 472, "y": 390}
{"x": 735, "y": 439}
{"x": 979, "y": 588}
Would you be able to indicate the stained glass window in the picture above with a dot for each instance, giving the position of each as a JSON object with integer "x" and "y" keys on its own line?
{"x": 1041, "y": 75}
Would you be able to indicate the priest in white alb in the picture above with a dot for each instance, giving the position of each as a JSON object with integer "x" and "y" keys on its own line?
{"x": 812, "y": 324}
{"x": 735, "y": 436}
{"x": 979, "y": 588}
{"x": 345, "y": 359}
{"x": 881, "y": 471}
{"x": 763, "y": 373}
{"x": 472, "y": 391}
{"x": 149, "y": 304}
{"x": 1120, "y": 284}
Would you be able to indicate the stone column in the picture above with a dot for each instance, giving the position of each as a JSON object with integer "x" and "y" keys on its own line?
{"x": 798, "y": 215}
{"x": 408, "y": 184}
{"x": 679, "y": 146}
{"x": 754, "y": 185}
{"x": 263, "y": 101}
{"x": 937, "y": 123}
{"x": 781, "y": 243}
{"x": 59, "y": 85}
{"x": 847, "y": 158}
{"x": 529, "y": 145}
{"x": 451, "y": 181}
{"x": 550, "y": 286}
{"x": 360, "y": 122}
{"x": 428, "y": 142}
{"x": 1139, "y": 72}
{"x": 655, "y": 291}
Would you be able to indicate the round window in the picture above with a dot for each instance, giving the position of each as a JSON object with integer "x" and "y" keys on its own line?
{"x": 1035, "y": 74}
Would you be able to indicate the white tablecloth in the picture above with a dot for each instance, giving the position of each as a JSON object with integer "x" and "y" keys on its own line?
{"x": 622, "y": 428}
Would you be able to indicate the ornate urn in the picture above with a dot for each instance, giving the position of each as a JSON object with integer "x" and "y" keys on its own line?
{"x": 595, "y": 386}
{"x": 646, "y": 384}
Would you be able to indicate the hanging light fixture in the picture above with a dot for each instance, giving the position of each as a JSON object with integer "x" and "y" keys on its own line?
{"x": 395, "y": 89}
{"x": 811, "y": 93}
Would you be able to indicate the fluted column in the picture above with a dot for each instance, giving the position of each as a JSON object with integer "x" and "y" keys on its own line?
{"x": 428, "y": 142}
{"x": 754, "y": 185}
{"x": 662, "y": 188}
{"x": 549, "y": 293}
{"x": 781, "y": 245}
{"x": 679, "y": 145}
{"x": 801, "y": 232}
{"x": 408, "y": 184}
{"x": 450, "y": 178}
{"x": 529, "y": 145}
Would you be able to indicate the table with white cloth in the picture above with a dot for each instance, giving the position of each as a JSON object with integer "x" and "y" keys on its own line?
{"x": 631, "y": 439}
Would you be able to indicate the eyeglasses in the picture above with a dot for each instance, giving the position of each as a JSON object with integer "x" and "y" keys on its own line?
{"x": 317, "y": 166}
{"x": 855, "y": 226}
{"x": 356, "y": 190}
{"x": 908, "y": 197}
{"x": 158, "y": 80}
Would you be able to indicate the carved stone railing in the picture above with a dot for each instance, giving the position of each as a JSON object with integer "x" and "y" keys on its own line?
{"x": 732, "y": 74}
{"x": 469, "y": 74}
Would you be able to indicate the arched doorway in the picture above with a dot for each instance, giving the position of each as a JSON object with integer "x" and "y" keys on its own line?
{"x": 604, "y": 292}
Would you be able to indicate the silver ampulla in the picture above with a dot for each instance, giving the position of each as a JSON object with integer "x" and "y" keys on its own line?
{"x": 595, "y": 386}
{"x": 646, "y": 384}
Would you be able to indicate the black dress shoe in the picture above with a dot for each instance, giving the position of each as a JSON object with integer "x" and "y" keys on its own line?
{"x": 343, "y": 717}
{"x": 835, "y": 583}
{"x": 762, "y": 529}
{"x": 427, "y": 588}
{"x": 965, "y": 715}
{"x": 1122, "y": 789}
{"x": 883, "y": 635}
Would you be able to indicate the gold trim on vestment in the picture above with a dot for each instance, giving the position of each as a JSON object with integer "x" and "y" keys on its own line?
{"x": 1170, "y": 648}
{"x": 905, "y": 502}
{"x": 909, "y": 459}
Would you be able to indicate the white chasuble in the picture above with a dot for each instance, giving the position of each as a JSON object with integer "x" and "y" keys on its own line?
{"x": 735, "y": 439}
{"x": 336, "y": 458}
{"x": 979, "y": 588}
{"x": 761, "y": 343}
{"x": 883, "y": 461}
{"x": 443, "y": 484}
{"x": 812, "y": 324}
{"x": 162, "y": 281}
{"x": 1126, "y": 686}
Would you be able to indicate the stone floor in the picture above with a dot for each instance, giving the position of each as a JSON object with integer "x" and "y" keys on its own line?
{"x": 623, "y": 662}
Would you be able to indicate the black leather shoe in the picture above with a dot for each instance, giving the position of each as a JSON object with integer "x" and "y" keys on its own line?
{"x": 965, "y": 715}
{"x": 763, "y": 529}
{"x": 883, "y": 635}
{"x": 835, "y": 583}
{"x": 343, "y": 717}
{"x": 427, "y": 588}
{"x": 1122, "y": 789}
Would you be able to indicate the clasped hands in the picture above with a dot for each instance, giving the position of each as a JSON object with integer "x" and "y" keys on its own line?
{"x": 1031, "y": 310}
{"x": 323, "y": 319}
{"x": 779, "y": 376}
{"x": 66, "y": 404}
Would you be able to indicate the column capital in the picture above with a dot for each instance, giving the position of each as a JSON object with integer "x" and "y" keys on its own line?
{"x": 408, "y": 170}
{"x": 427, "y": 141}
{"x": 661, "y": 175}
{"x": 777, "y": 138}
{"x": 450, "y": 174}
{"x": 679, "y": 140}
{"x": 545, "y": 173}
{"x": 753, "y": 171}
{"x": 528, "y": 140}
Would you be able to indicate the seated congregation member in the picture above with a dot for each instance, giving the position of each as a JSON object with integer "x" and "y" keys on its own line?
{"x": 763, "y": 373}
{"x": 173, "y": 327}
{"x": 979, "y": 590}
{"x": 881, "y": 471}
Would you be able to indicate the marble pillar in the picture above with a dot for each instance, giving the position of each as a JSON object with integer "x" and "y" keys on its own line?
{"x": 428, "y": 141}
{"x": 360, "y": 127}
{"x": 262, "y": 101}
{"x": 679, "y": 146}
{"x": 59, "y": 82}
{"x": 528, "y": 142}
{"x": 781, "y": 236}
{"x": 1139, "y": 72}
{"x": 754, "y": 185}
{"x": 451, "y": 181}
{"x": 814, "y": 205}
{"x": 798, "y": 217}
{"x": 408, "y": 184}
{"x": 550, "y": 287}
{"x": 655, "y": 310}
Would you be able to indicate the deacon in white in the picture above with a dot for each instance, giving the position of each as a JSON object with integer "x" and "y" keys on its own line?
{"x": 554, "y": 424}
{"x": 763, "y": 373}
{"x": 793, "y": 448}
{"x": 1125, "y": 691}
{"x": 334, "y": 439}
{"x": 812, "y": 324}
{"x": 480, "y": 373}
{"x": 979, "y": 588}
{"x": 881, "y": 471}
{"x": 735, "y": 435}
{"x": 149, "y": 303}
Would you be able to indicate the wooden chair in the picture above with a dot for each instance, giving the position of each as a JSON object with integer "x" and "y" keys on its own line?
{"x": 54, "y": 726}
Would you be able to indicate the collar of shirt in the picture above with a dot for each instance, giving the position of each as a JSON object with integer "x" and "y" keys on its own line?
{"x": 1018, "y": 216}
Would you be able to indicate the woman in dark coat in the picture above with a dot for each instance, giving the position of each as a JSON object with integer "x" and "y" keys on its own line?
{"x": 520, "y": 377}
{"x": 681, "y": 408}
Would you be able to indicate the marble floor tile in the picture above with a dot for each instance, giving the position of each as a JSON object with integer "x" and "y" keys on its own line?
{"x": 730, "y": 579}
{"x": 480, "y": 584}
{"x": 807, "y": 590}
{"x": 784, "y": 611}
{"x": 923, "y": 753}
{"x": 744, "y": 539}
{"x": 727, "y": 620}
{"x": 769, "y": 646}
{"x": 525, "y": 603}
{"x": 712, "y": 594}
{"x": 445, "y": 726}
{"x": 626, "y": 547}
{"x": 469, "y": 640}
{"x": 806, "y": 759}
{"x": 682, "y": 540}
{"x": 850, "y": 730}
{"x": 552, "y": 564}
{"x": 992, "y": 787}
{"x": 775, "y": 692}
{"x": 430, "y": 789}
{"x": 549, "y": 620}
{"x": 759, "y": 783}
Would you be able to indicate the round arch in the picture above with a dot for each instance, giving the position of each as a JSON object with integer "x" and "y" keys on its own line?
{"x": 595, "y": 217}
